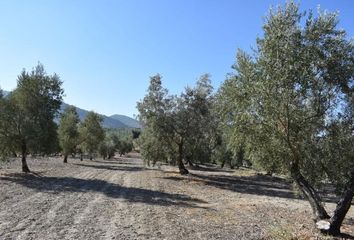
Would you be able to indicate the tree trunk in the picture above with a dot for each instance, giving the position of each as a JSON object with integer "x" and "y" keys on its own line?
{"x": 23, "y": 160}
{"x": 181, "y": 167}
{"x": 223, "y": 163}
{"x": 189, "y": 162}
{"x": 310, "y": 193}
{"x": 342, "y": 208}
{"x": 65, "y": 158}
{"x": 81, "y": 157}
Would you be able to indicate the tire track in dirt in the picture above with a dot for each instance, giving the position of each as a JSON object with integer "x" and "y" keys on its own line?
{"x": 72, "y": 204}
{"x": 147, "y": 217}
{"x": 123, "y": 223}
{"x": 85, "y": 215}
{"x": 160, "y": 221}
{"x": 108, "y": 215}
{"x": 151, "y": 218}
{"x": 89, "y": 223}
{"x": 23, "y": 213}
{"x": 118, "y": 200}
{"x": 49, "y": 206}
{"x": 36, "y": 195}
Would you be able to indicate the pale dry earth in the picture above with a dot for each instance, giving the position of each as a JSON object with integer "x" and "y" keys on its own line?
{"x": 121, "y": 199}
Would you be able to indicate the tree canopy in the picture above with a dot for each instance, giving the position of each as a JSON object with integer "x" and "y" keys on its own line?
{"x": 68, "y": 131}
{"x": 27, "y": 122}
{"x": 91, "y": 133}
{"x": 179, "y": 125}
{"x": 289, "y": 99}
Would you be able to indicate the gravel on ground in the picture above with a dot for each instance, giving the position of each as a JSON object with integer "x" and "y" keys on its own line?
{"x": 122, "y": 199}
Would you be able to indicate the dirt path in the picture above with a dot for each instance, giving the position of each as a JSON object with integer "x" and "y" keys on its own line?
{"x": 120, "y": 199}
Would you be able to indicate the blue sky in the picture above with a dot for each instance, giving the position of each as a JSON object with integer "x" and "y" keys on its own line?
{"x": 105, "y": 50}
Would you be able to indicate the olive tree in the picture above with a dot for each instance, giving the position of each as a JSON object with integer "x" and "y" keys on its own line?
{"x": 27, "y": 121}
{"x": 91, "y": 133}
{"x": 68, "y": 131}
{"x": 179, "y": 125}
{"x": 159, "y": 137}
{"x": 282, "y": 101}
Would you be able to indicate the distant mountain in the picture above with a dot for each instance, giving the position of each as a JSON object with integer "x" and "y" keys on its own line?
{"x": 109, "y": 122}
{"x": 115, "y": 121}
{"x": 131, "y": 122}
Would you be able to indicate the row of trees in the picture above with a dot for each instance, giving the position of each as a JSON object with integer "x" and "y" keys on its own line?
{"x": 27, "y": 122}
{"x": 288, "y": 108}
{"x": 88, "y": 136}
{"x": 74, "y": 136}
{"x": 177, "y": 127}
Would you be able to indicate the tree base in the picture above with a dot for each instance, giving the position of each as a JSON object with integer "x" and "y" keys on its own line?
{"x": 183, "y": 171}
{"x": 25, "y": 169}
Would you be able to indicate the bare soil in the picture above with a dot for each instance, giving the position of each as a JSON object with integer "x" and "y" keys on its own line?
{"x": 121, "y": 199}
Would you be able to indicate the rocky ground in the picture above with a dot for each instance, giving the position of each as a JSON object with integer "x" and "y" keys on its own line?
{"x": 121, "y": 199}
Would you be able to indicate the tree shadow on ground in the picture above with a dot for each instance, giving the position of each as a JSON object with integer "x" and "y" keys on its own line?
{"x": 110, "y": 167}
{"x": 210, "y": 169}
{"x": 114, "y": 161}
{"x": 344, "y": 236}
{"x": 55, "y": 185}
{"x": 256, "y": 184}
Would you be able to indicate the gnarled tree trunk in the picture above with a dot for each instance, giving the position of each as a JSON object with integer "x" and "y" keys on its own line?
{"x": 65, "y": 158}
{"x": 24, "y": 154}
{"x": 342, "y": 208}
{"x": 310, "y": 193}
{"x": 188, "y": 160}
{"x": 181, "y": 167}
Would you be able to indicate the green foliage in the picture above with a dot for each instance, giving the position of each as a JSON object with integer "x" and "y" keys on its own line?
{"x": 280, "y": 101}
{"x": 201, "y": 125}
{"x": 91, "y": 133}
{"x": 156, "y": 135}
{"x": 68, "y": 130}
{"x": 222, "y": 155}
{"x": 115, "y": 143}
{"x": 121, "y": 133}
{"x": 7, "y": 128}
{"x": 125, "y": 147}
{"x": 291, "y": 105}
{"x": 103, "y": 150}
{"x": 177, "y": 127}
{"x": 336, "y": 153}
{"x": 27, "y": 123}
{"x": 108, "y": 147}
{"x": 151, "y": 149}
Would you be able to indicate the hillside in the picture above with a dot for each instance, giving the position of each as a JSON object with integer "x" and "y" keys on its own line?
{"x": 126, "y": 120}
{"x": 114, "y": 121}
{"x": 109, "y": 122}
